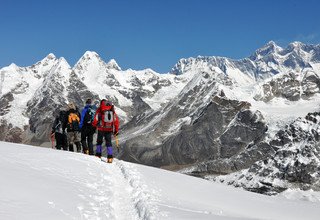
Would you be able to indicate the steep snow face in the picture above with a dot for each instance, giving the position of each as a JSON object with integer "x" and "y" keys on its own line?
{"x": 270, "y": 48}
{"x": 12, "y": 75}
{"x": 22, "y": 83}
{"x": 97, "y": 75}
{"x": 297, "y": 58}
{"x": 49, "y": 98}
{"x": 240, "y": 72}
{"x": 151, "y": 86}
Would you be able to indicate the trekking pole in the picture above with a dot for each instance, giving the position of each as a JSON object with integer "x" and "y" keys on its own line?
{"x": 52, "y": 140}
{"x": 117, "y": 143}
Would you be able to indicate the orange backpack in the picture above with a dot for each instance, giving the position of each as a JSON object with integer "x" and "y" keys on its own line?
{"x": 73, "y": 121}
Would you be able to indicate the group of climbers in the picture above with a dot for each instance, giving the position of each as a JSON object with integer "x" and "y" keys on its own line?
{"x": 71, "y": 128}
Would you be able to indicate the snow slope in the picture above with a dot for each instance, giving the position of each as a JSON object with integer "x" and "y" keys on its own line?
{"x": 40, "y": 183}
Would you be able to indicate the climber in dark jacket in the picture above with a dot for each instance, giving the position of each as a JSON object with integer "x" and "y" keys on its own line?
{"x": 87, "y": 130}
{"x": 58, "y": 132}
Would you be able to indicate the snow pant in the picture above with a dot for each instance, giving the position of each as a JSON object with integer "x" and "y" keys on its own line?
{"x": 107, "y": 136}
{"x": 61, "y": 141}
{"x": 74, "y": 137}
{"x": 87, "y": 140}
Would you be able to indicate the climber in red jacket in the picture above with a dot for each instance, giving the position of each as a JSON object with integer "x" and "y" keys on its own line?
{"x": 107, "y": 123}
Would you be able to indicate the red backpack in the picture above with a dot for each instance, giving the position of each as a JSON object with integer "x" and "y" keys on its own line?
{"x": 107, "y": 117}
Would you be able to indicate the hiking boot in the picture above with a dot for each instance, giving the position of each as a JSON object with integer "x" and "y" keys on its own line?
{"x": 71, "y": 147}
{"x": 110, "y": 160}
{"x": 78, "y": 145}
{"x": 86, "y": 152}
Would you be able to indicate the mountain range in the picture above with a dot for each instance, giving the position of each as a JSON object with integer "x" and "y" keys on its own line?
{"x": 252, "y": 122}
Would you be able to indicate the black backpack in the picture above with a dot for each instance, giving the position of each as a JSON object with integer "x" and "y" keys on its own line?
{"x": 59, "y": 122}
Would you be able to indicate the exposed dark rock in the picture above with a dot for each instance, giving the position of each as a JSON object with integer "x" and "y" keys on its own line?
{"x": 5, "y": 103}
{"x": 295, "y": 164}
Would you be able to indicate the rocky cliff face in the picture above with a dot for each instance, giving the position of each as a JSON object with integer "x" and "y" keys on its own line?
{"x": 290, "y": 86}
{"x": 293, "y": 162}
{"x": 210, "y": 115}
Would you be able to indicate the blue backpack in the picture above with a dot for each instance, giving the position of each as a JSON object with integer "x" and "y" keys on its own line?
{"x": 88, "y": 117}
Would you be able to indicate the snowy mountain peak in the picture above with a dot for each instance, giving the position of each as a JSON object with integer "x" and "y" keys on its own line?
{"x": 188, "y": 64}
{"x": 63, "y": 63}
{"x": 112, "y": 64}
{"x": 271, "y": 43}
{"x": 12, "y": 66}
{"x": 51, "y": 56}
{"x": 295, "y": 47}
{"x": 303, "y": 50}
{"x": 90, "y": 63}
{"x": 270, "y": 48}
{"x": 296, "y": 44}
{"x": 49, "y": 59}
{"x": 89, "y": 58}
{"x": 90, "y": 55}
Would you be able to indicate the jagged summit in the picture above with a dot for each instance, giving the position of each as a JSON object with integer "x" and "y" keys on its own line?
{"x": 187, "y": 64}
{"x": 270, "y": 48}
{"x": 89, "y": 58}
{"x": 90, "y": 54}
{"x": 297, "y": 43}
{"x": 12, "y": 66}
{"x": 49, "y": 60}
{"x": 63, "y": 62}
{"x": 51, "y": 56}
{"x": 112, "y": 64}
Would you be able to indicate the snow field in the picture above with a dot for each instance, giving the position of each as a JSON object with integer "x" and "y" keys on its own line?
{"x": 40, "y": 183}
{"x": 66, "y": 185}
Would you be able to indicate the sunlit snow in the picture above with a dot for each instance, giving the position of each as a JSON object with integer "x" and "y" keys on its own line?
{"x": 41, "y": 183}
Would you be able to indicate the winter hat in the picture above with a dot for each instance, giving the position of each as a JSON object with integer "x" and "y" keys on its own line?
{"x": 89, "y": 102}
{"x": 103, "y": 102}
{"x": 71, "y": 106}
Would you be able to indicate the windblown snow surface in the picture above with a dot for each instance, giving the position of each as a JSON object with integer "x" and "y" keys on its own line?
{"x": 41, "y": 183}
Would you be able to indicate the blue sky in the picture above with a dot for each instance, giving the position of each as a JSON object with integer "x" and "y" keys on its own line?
{"x": 152, "y": 34}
